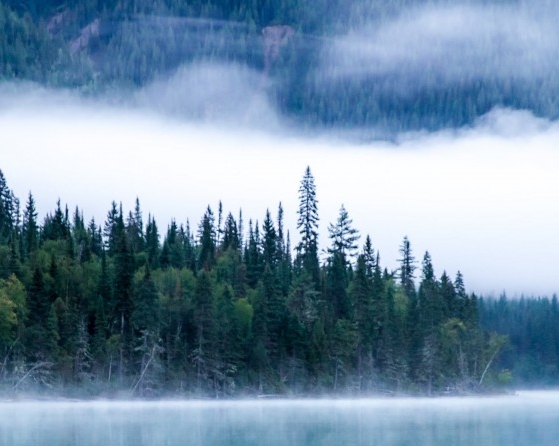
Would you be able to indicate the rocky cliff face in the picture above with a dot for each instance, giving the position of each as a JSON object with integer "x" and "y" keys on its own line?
{"x": 82, "y": 41}
{"x": 275, "y": 37}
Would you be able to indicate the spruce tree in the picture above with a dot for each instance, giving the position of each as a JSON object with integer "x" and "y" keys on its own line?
{"x": 343, "y": 236}
{"x": 152, "y": 242}
{"x": 6, "y": 210}
{"x": 307, "y": 225}
{"x": 207, "y": 241}
{"x": 231, "y": 238}
{"x": 30, "y": 230}
{"x": 269, "y": 243}
{"x": 430, "y": 319}
{"x": 407, "y": 268}
{"x": 360, "y": 295}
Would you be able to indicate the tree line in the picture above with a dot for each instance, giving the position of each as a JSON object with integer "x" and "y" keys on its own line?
{"x": 228, "y": 308}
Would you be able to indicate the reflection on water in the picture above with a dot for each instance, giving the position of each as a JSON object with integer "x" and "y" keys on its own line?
{"x": 529, "y": 418}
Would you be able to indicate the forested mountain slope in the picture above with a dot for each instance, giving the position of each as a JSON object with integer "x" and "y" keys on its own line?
{"x": 384, "y": 64}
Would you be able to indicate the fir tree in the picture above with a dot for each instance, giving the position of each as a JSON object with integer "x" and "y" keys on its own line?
{"x": 6, "y": 210}
{"x": 30, "y": 230}
{"x": 407, "y": 268}
{"x": 307, "y": 225}
{"x": 207, "y": 241}
{"x": 343, "y": 236}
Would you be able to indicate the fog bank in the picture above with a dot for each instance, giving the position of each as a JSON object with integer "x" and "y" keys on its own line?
{"x": 481, "y": 199}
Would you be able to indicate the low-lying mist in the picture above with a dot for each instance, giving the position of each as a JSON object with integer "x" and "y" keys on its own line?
{"x": 481, "y": 199}
{"x": 527, "y": 418}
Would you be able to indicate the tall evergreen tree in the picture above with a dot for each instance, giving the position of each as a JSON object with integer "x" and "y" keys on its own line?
{"x": 307, "y": 225}
{"x": 6, "y": 210}
{"x": 343, "y": 235}
{"x": 95, "y": 238}
{"x": 231, "y": 239}
{"x": 430, "y": 319}
{"x": 122, "y": 292}
{"x": 30, "y": 230}
{"x": 135, "y": 229}
{"x": 407, "y": 268}
{"x": 207, "y": 241}
{"x": 360, "y": 294}
{"x": 253, "y": 255}
{"x": 369, "y": 256}
{"x": 152, "y": 242}
{"x": 269, "y": 243}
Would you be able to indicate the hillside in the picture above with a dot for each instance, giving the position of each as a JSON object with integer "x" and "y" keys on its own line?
{"x": 383, "y": 66}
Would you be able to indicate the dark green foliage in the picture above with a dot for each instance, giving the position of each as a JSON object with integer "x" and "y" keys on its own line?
{"x": 227, "y": 315}
{"x": 307, "y": 225}
{"x": 407, "y": 268}
{"x": 172, "y": 252}
{"x": 145, "y": 313}
{"x": 41, "y": 334}
{"x": 93, "y": 46}
{"x": 6, "y": 210}
{"x": 253, "y": 255}
{"x": 207, "y": 241}
{"x": 152, "y": 243}
{"x": 343, "y": 236}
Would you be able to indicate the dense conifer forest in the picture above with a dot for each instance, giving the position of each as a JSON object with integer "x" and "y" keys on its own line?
{"x": 225, "y": 307}
{"x": 313, "y": 72}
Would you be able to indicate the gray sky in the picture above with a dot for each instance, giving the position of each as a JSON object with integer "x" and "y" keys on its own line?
{"x": 483, "y": 200}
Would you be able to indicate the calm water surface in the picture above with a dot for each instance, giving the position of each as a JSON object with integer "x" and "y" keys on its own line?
{"x": 526, "y": 419}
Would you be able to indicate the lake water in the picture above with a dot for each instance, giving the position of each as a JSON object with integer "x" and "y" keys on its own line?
{"x": 525, "y": 419}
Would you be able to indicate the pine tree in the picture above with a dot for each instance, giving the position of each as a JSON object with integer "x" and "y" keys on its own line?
{"x": 135, "y": 229}
{"x": 122, "y": 291}
{"x": 57, "y": 226}
{"x": 407, "y": 268}
{"x": 80, "y": 236}
{"x": 360, "y": 294}
{"x": 344, "y": 237}
{"x": 109, "y": 229}
{"x": 231, "y": 238}
{"x": 448, "y": 296}
{"x": 307, "y": 225}
{"x": 6, "y": 210}
{"x": 95, "y": 238}
{"x": 269, "y": 243}
{"x": 284, "y": 255}
{"x": 253, "y": 256}
{"x": 431, "y": 317}
{"x": 369, "y": 254}
{"x": 172, "y": 253}
{"x": 207, "y": 241}
{"x": 30, "y": 230}
{"x": 152, "y": 242}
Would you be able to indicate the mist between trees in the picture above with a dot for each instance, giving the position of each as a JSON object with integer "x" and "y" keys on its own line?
{"x": 382, "y": 66}
{"x": 234, "y": 308}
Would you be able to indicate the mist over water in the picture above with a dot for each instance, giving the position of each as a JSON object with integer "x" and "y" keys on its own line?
{"x": 527, "y": 418}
